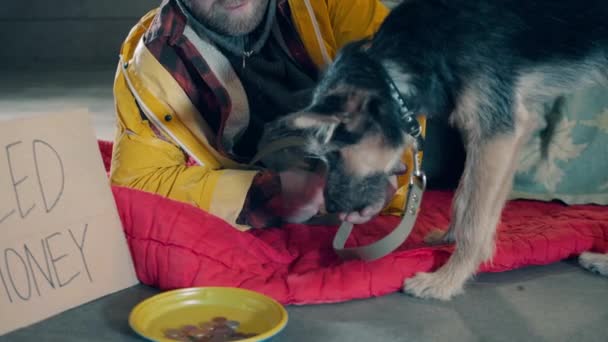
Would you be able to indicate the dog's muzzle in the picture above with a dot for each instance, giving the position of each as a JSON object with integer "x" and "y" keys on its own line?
{"x": 386, "y": 245}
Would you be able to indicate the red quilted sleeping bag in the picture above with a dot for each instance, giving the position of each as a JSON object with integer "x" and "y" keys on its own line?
{"x": 176, "y": 245}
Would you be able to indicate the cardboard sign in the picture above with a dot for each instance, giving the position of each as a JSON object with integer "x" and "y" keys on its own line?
{"x": 61, "y": 240}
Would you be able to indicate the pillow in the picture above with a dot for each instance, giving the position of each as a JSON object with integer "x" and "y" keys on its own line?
{"x": 567, "y": 157}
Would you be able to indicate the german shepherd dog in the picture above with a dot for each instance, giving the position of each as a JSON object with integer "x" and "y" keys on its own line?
{"x": 486, "y": 68}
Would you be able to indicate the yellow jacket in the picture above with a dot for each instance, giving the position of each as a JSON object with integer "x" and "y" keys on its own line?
{"x": 163, "y": 144}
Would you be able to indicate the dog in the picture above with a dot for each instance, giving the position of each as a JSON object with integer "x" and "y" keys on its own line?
{"x": 484, "y": 67}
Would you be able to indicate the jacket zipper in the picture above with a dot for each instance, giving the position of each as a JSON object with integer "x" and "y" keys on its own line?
{"x": 246, "y": 54}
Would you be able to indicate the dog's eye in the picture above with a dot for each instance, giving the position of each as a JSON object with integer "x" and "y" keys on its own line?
{"x": 346, "y": 115}
{"x": 373, "y": 106}
{"x": 329, "y": 104}
{"x": 334, "y": 102}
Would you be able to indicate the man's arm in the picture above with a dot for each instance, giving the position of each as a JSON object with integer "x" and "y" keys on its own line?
{"x": 144, "y": 159}
{"x": 355, "y": 19}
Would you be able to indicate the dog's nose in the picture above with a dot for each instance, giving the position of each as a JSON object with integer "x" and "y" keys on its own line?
{"x": 332, "y": 206}
{"x": 339, "y": 205}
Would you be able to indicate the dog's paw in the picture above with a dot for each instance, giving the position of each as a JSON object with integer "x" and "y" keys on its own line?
{"x": 438, "y": 237}
{"x": 432, "y": 285}
{"x": 594, "y": 262}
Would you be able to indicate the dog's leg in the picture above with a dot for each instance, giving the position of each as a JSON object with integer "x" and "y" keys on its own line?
{"x": 438, "y": 236}
{"x": 595, "y": 262}
{"x": 478, "y": 204}
{"x": 475, "y": 217}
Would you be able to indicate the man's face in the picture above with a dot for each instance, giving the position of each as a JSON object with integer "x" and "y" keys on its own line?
{"x": 231, "y": 17}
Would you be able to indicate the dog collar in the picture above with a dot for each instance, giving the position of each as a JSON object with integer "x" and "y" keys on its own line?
{"x": 411, "y": 126}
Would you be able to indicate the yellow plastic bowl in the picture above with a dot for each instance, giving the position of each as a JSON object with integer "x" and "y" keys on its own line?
{"x": 256, "y": 312}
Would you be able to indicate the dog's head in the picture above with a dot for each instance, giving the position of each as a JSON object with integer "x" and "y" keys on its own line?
{"x": 354, "y": 125}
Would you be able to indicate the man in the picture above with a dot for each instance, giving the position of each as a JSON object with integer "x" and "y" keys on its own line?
{"x": 197, "y": 81}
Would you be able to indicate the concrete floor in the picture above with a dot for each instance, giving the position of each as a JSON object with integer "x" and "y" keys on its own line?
{"x": 24, "y": 93}
{"x": 558, "y": 302}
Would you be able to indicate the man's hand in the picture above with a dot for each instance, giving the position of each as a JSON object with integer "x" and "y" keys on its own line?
{"x": 302, "y": 194}
{"x": 369, "y": 212}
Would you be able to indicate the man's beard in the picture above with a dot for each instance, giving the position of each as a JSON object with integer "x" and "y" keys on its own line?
{"x": 220, "y": 20}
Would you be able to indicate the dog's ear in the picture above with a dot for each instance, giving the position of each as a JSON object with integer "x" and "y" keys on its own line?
{"x": 323, "y": 126}
{"x": 337, "y": 117}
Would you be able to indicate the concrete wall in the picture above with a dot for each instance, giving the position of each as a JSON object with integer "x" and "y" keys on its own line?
{"x": 68, "y": 34}
{"x": 65, "y": 33}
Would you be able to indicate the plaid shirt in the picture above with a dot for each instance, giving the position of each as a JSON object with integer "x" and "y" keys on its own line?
{"x": 166, "y": 41}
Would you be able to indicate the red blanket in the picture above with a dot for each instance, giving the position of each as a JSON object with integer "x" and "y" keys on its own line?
{"x": 176, "y": 245}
